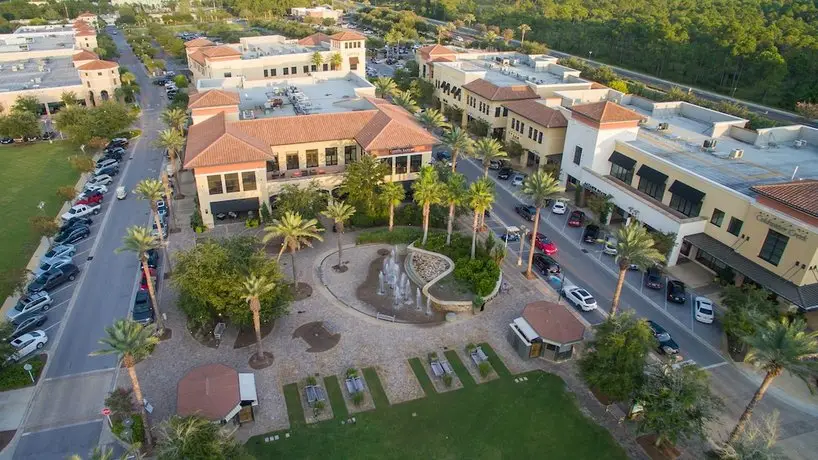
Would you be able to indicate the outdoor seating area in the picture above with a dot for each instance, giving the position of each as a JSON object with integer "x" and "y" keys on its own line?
{"x": 314, "y": 394}
{"x": 478, "y": 356}
{"x": 440, "y": 367}
{"x": 354, "y": 384}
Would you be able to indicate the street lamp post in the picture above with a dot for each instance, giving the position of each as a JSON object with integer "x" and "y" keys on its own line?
{"x": 523, "y": 233}
{"x": 589, "y": 54}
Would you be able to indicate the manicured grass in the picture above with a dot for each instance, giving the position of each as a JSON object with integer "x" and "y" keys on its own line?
{"x": 423, "y": 378}
{"x": 31, "y": 173}
{"x": 499, "y": 419}
{"x": 460, "y": 369}
{"x": 336, "y": 397}
{"x": 498, "y": 365}
{"x": 294, "y": 409}
{"x": 14, "y": 376}
{"x": 375, "y": 387}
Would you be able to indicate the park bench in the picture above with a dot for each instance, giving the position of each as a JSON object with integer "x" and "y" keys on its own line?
{"x": 478, "y": 356}
{"x": 354, "y": 385}
{"x": 447, "y": 367}
{"x": 437, "y": 369}
{"x": 314, "y": 394}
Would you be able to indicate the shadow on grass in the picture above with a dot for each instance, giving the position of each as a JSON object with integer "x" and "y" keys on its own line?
{"x": 376, "y": 388}
{"x": 294, "y": 409}
{"x": 423, "y": 378}
{"x": 495, "y": 361}
{"x": 336, "y": 397}
{"x": 460, "y": 369}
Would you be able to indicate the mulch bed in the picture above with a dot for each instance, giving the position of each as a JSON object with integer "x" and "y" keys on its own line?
{"x": 602, "y": 398}
{"x": 301, "y": 292}
{"x": 247, "y": 335}
{"x": 657, "y": 453}
{"x": 257, "y": 364}
{"x": 317, "y": 337}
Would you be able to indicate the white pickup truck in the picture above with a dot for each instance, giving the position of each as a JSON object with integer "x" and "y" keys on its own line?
{"x": 81, "y": 210}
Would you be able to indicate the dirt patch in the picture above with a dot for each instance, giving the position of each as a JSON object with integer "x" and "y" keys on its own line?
{"x": 204, "y": 337}
{"x": 6, "y": 437}
{"x": 167, "y": 334}
{"x": 247, "y": 334}
{"x": 260, "y": 363}
{"x": 657, "y": 453}
{"x": 340, "y": 268}
{"x": 301, "y": 292}
{"x": 317, "y": 337}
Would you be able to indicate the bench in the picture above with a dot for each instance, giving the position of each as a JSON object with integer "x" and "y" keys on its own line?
{"x": 447, "y": 367}
{"x": 314, "y": 394}
{"x": 354, "y": 385}
{"x": 437, "y": 369}
{"x": 218, "y": 331}
{"x": 482, "y": 355}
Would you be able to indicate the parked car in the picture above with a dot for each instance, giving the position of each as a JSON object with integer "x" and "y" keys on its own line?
{"x": 495, "y": 165}
{"x": 28, "y": 305}
{"x": 110, "y": 171}
{"x": 510, "y": 236}
{"x": 103, "y": 162}
{"x": 48, "y": 135}
{"x": 504, "y": 173}
{"x": 517, "y": 180}
{"x": 54, "y": 263}
{"x": 443, "y": 155}
{"x": 29, "y": 324}
{"x": 653, "y": 278}
{"x": 579, "y": 297}
{"x": 544, "y": 244}
{"x": 78, "y": 222}
{"x": 546, "y": 264}
{"x": 96, "y": 188}
{"x": 142, "y": 309}
{"x": 143, "y": 282}
{"x": 115, "y": 153}
{"x": 27, "y": 344}
{"x": 6, "y": 140}
{"x": 99, "y": 179}
{"x": 527, "y": 212}
{"x": 162, "y": 209}
{"x": 153, "y": 258}
{"x": 53, "y": 278}
{"x": 60, "y": 250}
{"x": 559, "y": 208}
{"x": 120, "y": 142}
{"x": 155, "y": 230}
{"x": 667, "y": 346}
{"x": 576, "y": 219}
{"x": 703, "y": 310}
{"x": 81, "y": 210}
{"x": 591, "y": 234}
{"x": 92, "y": 198}
{"x": 610, "y": 246}
{"x": 676, "y": 291}
{"x": 73, "y": 235}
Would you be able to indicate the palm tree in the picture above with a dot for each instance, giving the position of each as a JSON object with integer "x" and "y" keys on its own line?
{"x": 778, "y": 346}
{"x": 468, "y": 18}
{"x": 175, "y": 119}
{"x": 172, "y": 140}
{"x": 335, "y": 61}
{"x": 154, "y": 191}
{"x": 491, "y": 38}
{"x": 539, "y": 187}
{"x": 385, "y": 86}
{"x": 317, "y": 60}
{"x": 481, "y": 196}
{"x": 432, "y": 120}
{"x": 458, "y": 141}
{"x": 455, "y": 193}
{"x": 405, "y": 100}
{"x": 296, "y": 231}
{"x": 634, "y": 247}
{"x": 253, "y": 287}
{"x": 339, "y": 212}
{"x": 127, "y": 78}
{"x": 68, "y": 98}
{"x": 195, "y": 437}
{"x": 130, "y": 342}
{"x": 393, "y": 194}
{"x": 523, "y": 29}
{"x": 140, "y": 240}
{"x": 428, "y": 191}
{"x": 487, "y": 149}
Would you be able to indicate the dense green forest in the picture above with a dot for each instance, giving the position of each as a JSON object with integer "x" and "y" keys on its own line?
{"x": 14, "y": 10}
{"x": 761, "y": 50}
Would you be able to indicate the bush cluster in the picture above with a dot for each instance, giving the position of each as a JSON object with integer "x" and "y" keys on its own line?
{"x": 396, "y": 236}
{"x": 482, "y": 274}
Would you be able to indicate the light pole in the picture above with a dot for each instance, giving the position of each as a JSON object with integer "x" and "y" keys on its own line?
{"x": 523, "y": 233}
{"x": 589, "y": 54}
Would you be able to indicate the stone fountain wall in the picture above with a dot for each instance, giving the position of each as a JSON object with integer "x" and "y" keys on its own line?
{"x": 439, "y": 267}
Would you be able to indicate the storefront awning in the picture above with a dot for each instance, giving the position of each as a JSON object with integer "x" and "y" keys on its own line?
{"x": 243, "y": 205}
{"x": 651, "y": 174}
{"x": 622, "y": 160}
{"x": 526, "y": 329}
{"x": 353, "y": 60}
{"x": 687, "y": 192}
{"x": 247, "y": 388}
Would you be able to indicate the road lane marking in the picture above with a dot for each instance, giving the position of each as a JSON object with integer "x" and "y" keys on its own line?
{"x": 712, "y": 366}
{"x": 50, "y": 327}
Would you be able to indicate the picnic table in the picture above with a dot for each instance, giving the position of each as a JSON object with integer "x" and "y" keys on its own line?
{"x": 354, "y": 385}
{"x": 314, "y": 394}
{"x": 478, "y": 356}
{"x": 437, "y": 369}
{"x": 447, "y": 367}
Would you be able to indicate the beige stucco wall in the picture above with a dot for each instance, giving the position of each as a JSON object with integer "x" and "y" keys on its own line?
{"x": 24, "y": 55}
{"x": 44, "y": 95}
{"x": 205, "y": 199}
{"x": 87, "y": 42}
{"x": 494, "y": 121}
{"x": 97, "y": 81}
{"x": 553, "y": 139}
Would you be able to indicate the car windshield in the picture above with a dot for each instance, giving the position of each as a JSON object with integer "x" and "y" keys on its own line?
{"x": 45, "y": 267}
{"x": 663, "y": 336}
{"x": 706, "y": 310}
{"x": 50, "y": 253}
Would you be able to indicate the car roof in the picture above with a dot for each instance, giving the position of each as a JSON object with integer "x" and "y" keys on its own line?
{"x": 676, "y": 283}
{"x": 704, "y": 300}
{"x": 655, "y": 326}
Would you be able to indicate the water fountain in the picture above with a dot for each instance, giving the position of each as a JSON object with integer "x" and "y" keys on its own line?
{"x": 407, "y": 291}
{"x": 418, "y": 300}
{"x": 381, "y": 291}
{"x": 428, "y": 306}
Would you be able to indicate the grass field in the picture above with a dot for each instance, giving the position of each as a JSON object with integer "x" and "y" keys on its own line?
{"x": 536, "y": 418}
{"x": 33, "y": 173}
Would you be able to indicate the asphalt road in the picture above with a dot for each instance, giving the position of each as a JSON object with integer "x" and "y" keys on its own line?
{"x": 64, "y": 418}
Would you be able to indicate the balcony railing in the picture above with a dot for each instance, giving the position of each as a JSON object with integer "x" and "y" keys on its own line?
{"x": 309, "y": 173}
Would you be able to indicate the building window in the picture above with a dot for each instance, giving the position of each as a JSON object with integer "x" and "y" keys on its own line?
{"x": 266, "y": 73}
{"x": 99, "y": 74}
{"x": 286, "y": 71}
{"x": 530, "y": 131}
{"x": 734, "y": 228}
{"x": 773, "y": 247}
{"x": 293, "y": 70}
{"x": 625, "y": 175}
{"x": 539, "y": 138}
{"x": 652, "y": 189}
{"x": 314, "y": 68}
{"x": 272, "y": 165}
{"x": 505, "y": 112}
{"x": 228, "y": 74}
{"x": 577, "y": 155}
{"x": 326, "y": 67}
{"x": 331, "y": 154}
{"x": 522, "y": 127}
{"x": 497, "y": 111}
{"x": 415, "y": 163}
{"x": 306, "y": 69}
{"x": 353, "y": 66}
{"x": 248, "y": 181}
{"x": 709, "y": 261}
{"x": 388, "y": 162}
{"x": 717, "y": 218}
{"x": 349, "y": 153}
{"x": 312, "y": 158}
{"x": 214, "y": 184}
{"x": 231, "y": 183}
{"x": 685, "y": 206}
{"x": 400, "y": 165}
{"x": 292, "y": 161}
{"x": 272, "y": 72}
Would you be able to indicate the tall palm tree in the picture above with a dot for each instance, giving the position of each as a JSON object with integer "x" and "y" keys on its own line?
{"x": 428, "y": 191}
{"x": 339, "y": 212}
{"x": 175, "y": 118}
{"x": 385, "y": 86}
{"x": 154, "y": 191}
{"x": 523, "y": 29}
{"x": 317, "y": 60}
{"x": 297, "y": 232}
{"x": 172, "y": 140}
{"x": 140, "y": 240}
{"x": 458, "y": 141}
{"x": 481, "y": 196}
{"x": 127, "y": 78}
{"x": 468, "y": 18}
{"x": 335, "y": 61}
{"x": 779, "y": 346}
{"x": 487, "y": 149}
{"x": 539, "y": 187}
{"x": 634, "y": 246}
{"x": 491, "y": 38}
{"x": 130, "y": 342}
{"x": 195, "y": 437}
{"x": 253, "y": 287}
{"x": 393, "y": 194}
{"x": 405, "y": 100}
{"x": 455, "y": 193}
{"x": 432, "y": 120}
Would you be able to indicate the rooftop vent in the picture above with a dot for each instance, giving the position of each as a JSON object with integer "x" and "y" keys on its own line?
{"x": 800, "y": 143}
{"x": 663, "y": 127}
{"x": 709, "y": 145}
{"x": 736, "y": 154}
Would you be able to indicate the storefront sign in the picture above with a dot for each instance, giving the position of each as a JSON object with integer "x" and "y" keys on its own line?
{"x": 781, "y": 225}
{"x": 400, "y": 150}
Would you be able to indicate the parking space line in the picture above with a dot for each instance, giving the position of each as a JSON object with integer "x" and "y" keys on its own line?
{"x": 50, "y": 327}
{"x": 62, "y": 288}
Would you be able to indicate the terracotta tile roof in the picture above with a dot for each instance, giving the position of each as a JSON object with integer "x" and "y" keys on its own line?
{"x": 85, "y": 33}
{"x": 198, "y": 42}
{"x": 210, "y": 391}
{"x": 606, "y": 112}
{"x": 299, "y": 129}
{"x": 442, "y": 59}
{"x": 216, "y": 142}
{"x": 799, "y": 195}
{"x": 595, "y": 85}
{"x": 492, "y": 92}
{"x": 314, "y": 39}
{"x": 392, "y": 127}
{"x": 81, "y": 25}
{"x": 87, "y": 14}
{"x": 435, "y": 50}
{"x": 537, "y": 112}
{"x": 219, "y": 51}
{"x": 213, "y": 98}
{"x": 553, "y": 322}
{"x": 84, "y": 55}
{"x": 98, "y": 64}
{"x": 346, "y": 35}
{"x": 198, "y": 57}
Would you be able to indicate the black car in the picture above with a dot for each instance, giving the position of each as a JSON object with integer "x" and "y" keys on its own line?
{"x": 48, "y": 135}
{"x": 546, "y": 264}
{"x": 591, "y": 234}
{"x": 504, "y": 173}
{"x": 54, "y": 278}
{"x": 161, "y": 81}
{"x": 142, "y": 309}
{"x": 122, "y": 143}
{"x": 6, "y": 140}
{"x": 116, "y": 153}
{"x": 676, "y": 291}
{"x": 112, "y": 170}
{"x": 526, "y": 212}
{"x": 653, "y": 278}
{"x": 73, "y": 235}
{"x": 443, "y": 156}
{"x": 667, "y": 346}
{"x": 75, "y": 222}
{"x": 29, "y": 324}
{"x": 153, "y": 258}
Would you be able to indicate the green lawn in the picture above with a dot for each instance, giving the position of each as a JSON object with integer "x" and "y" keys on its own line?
{"x": 498, "y": 419}
{"x": 33, "y": 173}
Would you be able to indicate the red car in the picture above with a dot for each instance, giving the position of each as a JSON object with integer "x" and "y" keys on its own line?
{"x": 545, "y": 245}
{"x": 90, "y": 199}
{"x": 143, "y": 283}
{"x": 577, "y": 219}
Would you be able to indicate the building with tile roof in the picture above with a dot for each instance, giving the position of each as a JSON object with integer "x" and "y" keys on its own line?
{"x": 317, "y": 12}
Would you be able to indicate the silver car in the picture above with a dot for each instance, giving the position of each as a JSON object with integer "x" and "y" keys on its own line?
{"x": 56, "y": 262}
{"x": 29, "y": 305}
{"x": 57, "y": 252}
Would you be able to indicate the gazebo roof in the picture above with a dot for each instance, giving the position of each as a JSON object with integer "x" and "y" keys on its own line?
{"x": 553, "y": 322}
{"x": 210, "y": 391}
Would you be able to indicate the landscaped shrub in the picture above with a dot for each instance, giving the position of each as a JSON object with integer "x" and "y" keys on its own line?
{"x": 447, "y": 380}
{"x": 311, "y": 380}
{"x": 318, "y": 407}
{"x": 470, "y": 348}
{"x": 412, "y": 214}
{"x": 120, "y": 401}
{"x": 352, "y": 372}
{"x": 460, "y": 247}
{"x": 196, "y": 220}
{"x": 363, "y": 220}
{"x": 433, "y": 356}
{"x": 485, "y": 369}
{"x": 482, "y": 274}
{"x": 396, "y": 236}
{"x": 137, "y": 429}
{"x": 358, "y": 398}
{"x": 14, "y": 376}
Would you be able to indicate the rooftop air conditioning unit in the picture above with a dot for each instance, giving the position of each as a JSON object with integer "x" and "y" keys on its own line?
{"x": 735, "y": 154}
{"x": 663, "y": 127}
{"x": 800, "y": 143}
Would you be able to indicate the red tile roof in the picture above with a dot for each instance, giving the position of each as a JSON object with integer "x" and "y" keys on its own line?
{"x": 213, "y": 98}
{"x": 219, "y": 51}
{"x": 216, "y": 142}
{"x": 346, "y": 36}
{"x": 198, "y": 42}
{"x": 85, "y": 33}
{"x": 87, "y": 14}
{"x": 553, "y": 322}
{"x": 492, "y": 92}
{"x": 537, "y": 112}
{"x": 799, "y": 195}
{"x": 606, "y": 112}
{"x": 198, "y": 57}
{"x": 98, "y": 64}
{"x": 314, "y": 39}
{"x": 210, "y": 391}
{"x": 84, "y": 55}
{"x": 435, "y": 50}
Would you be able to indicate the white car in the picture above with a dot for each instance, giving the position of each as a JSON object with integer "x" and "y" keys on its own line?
{"x": 56, "y": 262}
{"x": 610, "y": 247}
{"x": 559, "y": 208}
{"x": 517, "y": 180}
{"x": 579, "y": 297}
{"x": 57, "y": 252}
{"x": 81, "y": 210}
{"x": 704, "y": 310}
{"x": 96, "y": 188}
{"x": 28, "y": 343}
{"x": 102, "y": 179}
